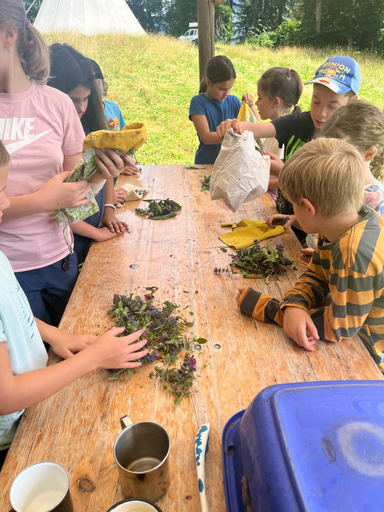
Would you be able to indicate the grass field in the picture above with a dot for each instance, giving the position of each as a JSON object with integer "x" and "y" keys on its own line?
{"x": 153, "y": 79}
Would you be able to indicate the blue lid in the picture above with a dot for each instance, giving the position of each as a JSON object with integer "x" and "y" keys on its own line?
{"x": 331, "y": 436}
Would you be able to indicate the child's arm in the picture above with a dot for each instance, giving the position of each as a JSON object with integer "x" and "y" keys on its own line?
{"x": 202, "y": 128}
{"x": 259, "y": 130}
{"x": 248, "y": 99}
{"x": 20, "y": 391}
{"x": 64, "y": 344}
{"x": 97, "y": 234}
{"x": 109, "y": 219}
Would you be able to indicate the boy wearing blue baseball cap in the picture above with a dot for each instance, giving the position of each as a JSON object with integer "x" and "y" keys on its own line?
{"x": 335, "y": 82}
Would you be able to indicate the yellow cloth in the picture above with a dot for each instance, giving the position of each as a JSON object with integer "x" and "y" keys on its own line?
{"x": 247, "y": 231}
{"x": 243, "y": 112}
{"x": 132, "y": 136}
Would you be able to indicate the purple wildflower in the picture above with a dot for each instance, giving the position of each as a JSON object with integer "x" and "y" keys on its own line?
{"x": 165, "y": 335}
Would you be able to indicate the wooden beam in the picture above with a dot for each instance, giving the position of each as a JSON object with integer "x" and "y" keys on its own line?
{"x": 206, "y": 25}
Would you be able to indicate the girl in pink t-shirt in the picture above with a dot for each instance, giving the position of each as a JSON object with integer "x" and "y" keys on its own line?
{"x": 41, "y": 130}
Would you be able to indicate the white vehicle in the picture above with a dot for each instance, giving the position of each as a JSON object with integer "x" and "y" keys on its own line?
{"x": 191, "y": 36}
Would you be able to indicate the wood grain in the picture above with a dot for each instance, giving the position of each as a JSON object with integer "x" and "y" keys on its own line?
{"x": 77, "y": 427}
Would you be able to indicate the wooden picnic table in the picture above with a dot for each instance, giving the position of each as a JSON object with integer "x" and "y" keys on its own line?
{"x": 77, "y": 427}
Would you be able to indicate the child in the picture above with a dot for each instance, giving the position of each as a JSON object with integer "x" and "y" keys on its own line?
{"x": 24, "y": 377}
{"x": 115, "y": 121}
{"x": 335, "y": 82}
{"x": 213, "y": 105}
{"x": 71, "y": 74}
{"x": 362, "y": 125}
{"x": 348, "y": 262}
{"x": 278, "y": 90}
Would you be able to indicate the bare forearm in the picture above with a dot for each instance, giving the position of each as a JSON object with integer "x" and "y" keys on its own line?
{"x": 259, "y": 130}
{"x": 48, "y": 333}
{"x": 30, "y": 388}
{"x": 255, "y": 112}
{"x": 109, "y": 191}
{"x": 210, "y": 138}
{"x": 84, "y": 229}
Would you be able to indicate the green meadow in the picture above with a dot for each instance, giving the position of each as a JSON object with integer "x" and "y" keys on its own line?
{"x": 153, "y": 79}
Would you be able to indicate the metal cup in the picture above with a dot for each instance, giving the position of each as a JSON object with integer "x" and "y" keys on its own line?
{"x": 135, "y": 505}
{"x": 141, "y": 452}
{"x": 42, "y": 486}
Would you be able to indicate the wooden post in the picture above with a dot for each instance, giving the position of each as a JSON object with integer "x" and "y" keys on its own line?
{"x": 206, "y": 26}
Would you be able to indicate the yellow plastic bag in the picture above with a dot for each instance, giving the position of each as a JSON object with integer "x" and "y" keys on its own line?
{"x": 247, "y": 231}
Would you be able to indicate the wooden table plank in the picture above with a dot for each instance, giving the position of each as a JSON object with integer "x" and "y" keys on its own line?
{"x": 77, "y": 427}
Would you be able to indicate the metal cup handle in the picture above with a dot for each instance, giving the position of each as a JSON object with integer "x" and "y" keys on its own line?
{"x": 125, "y": 422}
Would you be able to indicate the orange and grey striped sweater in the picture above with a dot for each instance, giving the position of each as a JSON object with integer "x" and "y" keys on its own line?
{"x": 351, "y": 270}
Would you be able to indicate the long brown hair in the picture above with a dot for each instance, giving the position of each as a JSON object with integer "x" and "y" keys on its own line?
{"x": 362, "y": 125}
{"x": 31, "y": 46}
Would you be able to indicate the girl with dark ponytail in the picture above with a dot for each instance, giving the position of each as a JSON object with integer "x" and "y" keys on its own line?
{"x": 278, "y": 90}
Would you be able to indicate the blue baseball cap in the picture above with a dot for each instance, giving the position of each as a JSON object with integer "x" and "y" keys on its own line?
{"x": 340, "y": 74}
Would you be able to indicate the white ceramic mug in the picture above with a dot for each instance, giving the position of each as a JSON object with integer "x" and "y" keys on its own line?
{"x": 42, "y": 487}
{"x": 135, "y": 505}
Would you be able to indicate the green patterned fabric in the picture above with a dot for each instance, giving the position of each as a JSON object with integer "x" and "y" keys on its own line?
{"x": 84, "y": 170}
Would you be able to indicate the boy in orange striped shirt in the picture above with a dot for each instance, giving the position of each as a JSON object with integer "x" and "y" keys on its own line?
{"x": 325, "y": 182}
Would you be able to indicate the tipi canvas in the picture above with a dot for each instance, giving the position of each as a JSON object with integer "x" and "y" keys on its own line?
{"x": 87, "y": 17}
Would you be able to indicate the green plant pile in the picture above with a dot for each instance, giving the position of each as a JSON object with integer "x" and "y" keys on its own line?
{"x": 159, "y": 209}
{"x": 256, "y": 261}
{"x": 165, "y": 332}
{"x": 178, "y": 380}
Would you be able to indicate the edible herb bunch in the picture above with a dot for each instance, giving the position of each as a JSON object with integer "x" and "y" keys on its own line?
{"x": 256, "y": 261}
{"x": 166, "y": 334}
{"x": 179, "y": 380}
{"x": 159, "y": 209}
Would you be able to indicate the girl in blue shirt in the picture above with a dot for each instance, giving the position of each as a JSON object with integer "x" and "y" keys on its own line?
{"x": 213, "y": 105}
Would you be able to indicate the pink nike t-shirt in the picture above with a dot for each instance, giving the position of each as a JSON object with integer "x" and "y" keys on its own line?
{"x": 38, "y": 127}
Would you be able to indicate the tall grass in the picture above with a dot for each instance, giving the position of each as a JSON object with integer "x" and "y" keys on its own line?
{"x": 154, "y": 77}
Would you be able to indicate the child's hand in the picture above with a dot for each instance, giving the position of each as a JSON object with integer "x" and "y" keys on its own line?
{"x": 297, "y": 323}
{"x": 239, "y": 292}
{"x": 104, "y": 234}
{"x": 276, "y": 164}
{"x": 69, "y": 344}
{"x": 110, "y": 164}
{"x": 248, "y": 99}
{"x": 115, "y": 225}
{"x": 119, "y": 195}
{"x": 130, "y": 166}
{"x": 306, "y": 254}
{"x": 275, "y": 220}
{"x": 111, "y": 352}
{"x": 56, "y": 194}
{"x": 224, "y": 127}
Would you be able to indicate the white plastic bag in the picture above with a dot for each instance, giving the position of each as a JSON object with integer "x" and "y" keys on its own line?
{"x": 240, "y": 173}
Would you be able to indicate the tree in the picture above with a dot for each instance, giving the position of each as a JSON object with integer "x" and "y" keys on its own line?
{"x": 345, "y": 22}
{"x": 224, "y": 23}
{"x": 150, "y": 13}
{"x": 34, "y": 9}
{"x": 254, "y": 17}
{"x": 178, "y": 16}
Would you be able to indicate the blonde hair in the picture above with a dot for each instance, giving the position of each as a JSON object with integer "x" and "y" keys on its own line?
{"x": 362, "y": 125}
{"x": 31, "y": 47}
{"x": 4, "y": 155}
{"x": 327, "y": 172}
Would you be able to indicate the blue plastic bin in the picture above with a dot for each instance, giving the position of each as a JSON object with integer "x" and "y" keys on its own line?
{"x": 313, "y": 447}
